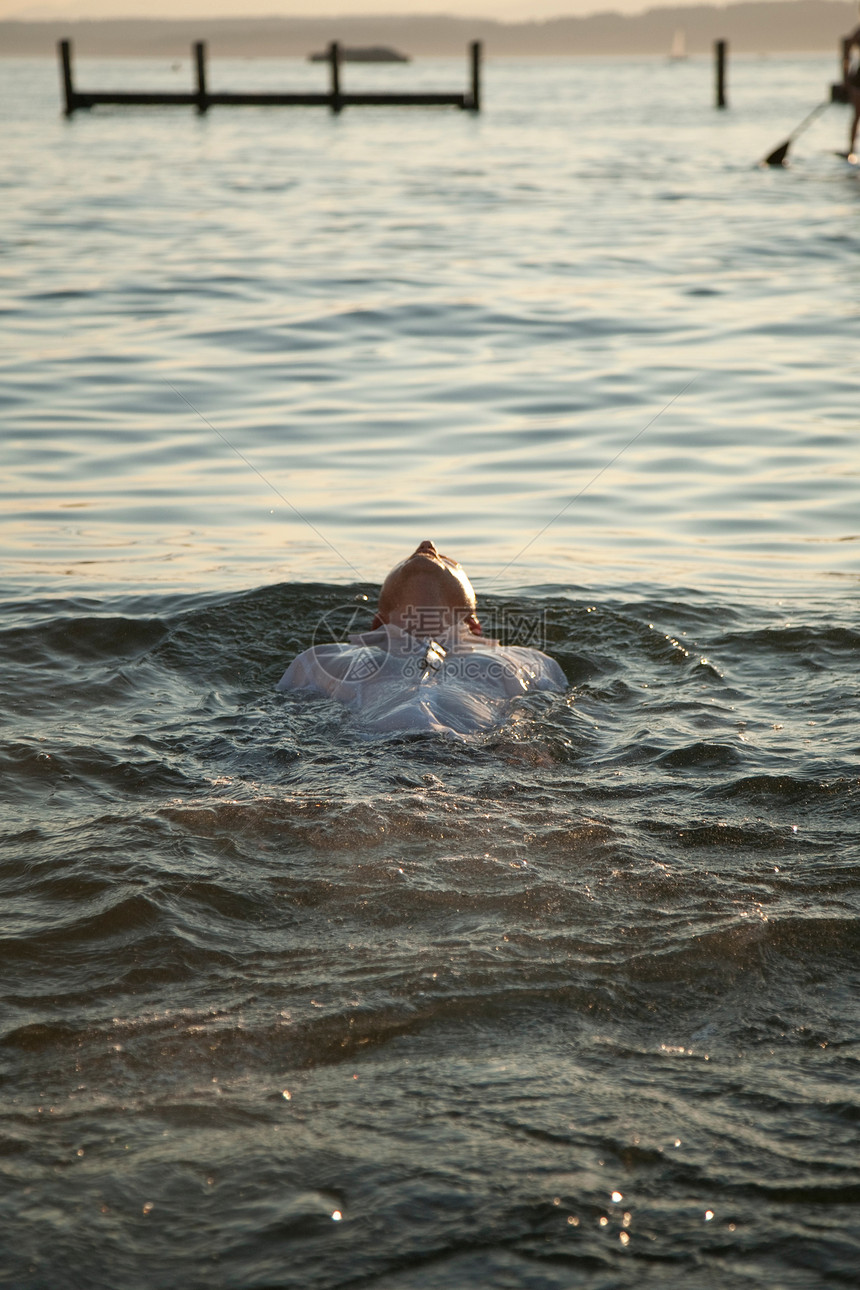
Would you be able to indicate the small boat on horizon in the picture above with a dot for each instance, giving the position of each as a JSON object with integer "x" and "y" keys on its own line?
{"x": 678, "y": 51}
{"x": 363, "y": 54}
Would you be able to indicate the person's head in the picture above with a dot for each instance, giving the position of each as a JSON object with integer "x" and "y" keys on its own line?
{"x": 427, "y": 594}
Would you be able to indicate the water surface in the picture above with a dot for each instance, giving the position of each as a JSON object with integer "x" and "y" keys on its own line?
{"x": 284, "y": 1003}
{"x": 430, "y": 322}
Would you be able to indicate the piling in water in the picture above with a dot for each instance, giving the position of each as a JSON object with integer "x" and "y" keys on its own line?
{"x": 200, "y": 60}
{"x": 839, "y": 89}
{"x": 475, "y": 52}
{"x": 720, "y": 58}
{"x": 66, "y": 68}
{"x": 334, "y": 62}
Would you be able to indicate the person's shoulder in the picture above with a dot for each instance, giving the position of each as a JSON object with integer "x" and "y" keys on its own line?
{"x": 298, "y": 673}
{"x": 544, "y": 673}
{"x": 318, "y": 668}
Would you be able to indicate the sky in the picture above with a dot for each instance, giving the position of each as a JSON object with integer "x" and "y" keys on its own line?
{"x": 504, "y": 10}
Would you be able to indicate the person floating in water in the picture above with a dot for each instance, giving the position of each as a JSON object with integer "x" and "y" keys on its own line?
{"x": 851, "y": 80}
{"x": 425, "y": 664}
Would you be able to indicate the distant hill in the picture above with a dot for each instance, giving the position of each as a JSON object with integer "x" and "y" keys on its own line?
{"x": 773, "y": 26}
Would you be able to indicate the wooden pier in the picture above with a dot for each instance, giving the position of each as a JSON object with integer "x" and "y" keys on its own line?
{"x": 202, "y": 98}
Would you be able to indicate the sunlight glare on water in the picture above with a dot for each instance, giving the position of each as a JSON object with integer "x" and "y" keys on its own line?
{"x": 430, "y": 322}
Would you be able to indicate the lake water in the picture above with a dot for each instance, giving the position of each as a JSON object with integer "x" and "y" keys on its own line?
{"x": 287, "y": 1004}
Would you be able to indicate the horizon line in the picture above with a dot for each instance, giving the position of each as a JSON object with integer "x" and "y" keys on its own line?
{"x": 603, "y": 12}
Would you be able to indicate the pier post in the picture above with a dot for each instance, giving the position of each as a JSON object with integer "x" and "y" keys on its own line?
{"x": 334, "y": 59}
{"x": 475, "y": 51}
{"x": 200, "y": 60}
{"x": 720, "y": 54}
{"x": 839, "y": 89}
{"x": 65, "y": 51}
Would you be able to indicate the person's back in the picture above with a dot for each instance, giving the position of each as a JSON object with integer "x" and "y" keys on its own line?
{"x": 425, "y": 665}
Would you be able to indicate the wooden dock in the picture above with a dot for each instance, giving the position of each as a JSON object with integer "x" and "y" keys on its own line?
{"x": 202, "y": 98}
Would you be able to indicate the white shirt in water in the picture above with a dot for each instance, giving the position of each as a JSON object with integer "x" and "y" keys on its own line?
{"x": 457, "y": 683}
